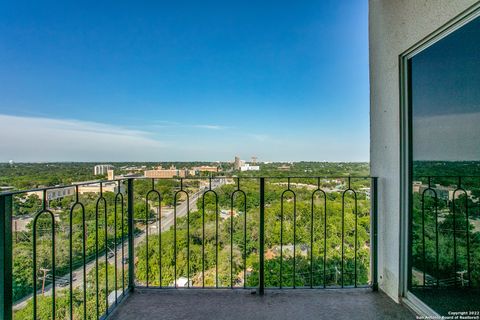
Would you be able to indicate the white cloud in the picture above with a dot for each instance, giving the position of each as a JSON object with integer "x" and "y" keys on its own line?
{"x": 31, "y": 139}
{"x": 45, "y": 139}
{"x": 209, "y": 126}
{"x": 182, "y": 126}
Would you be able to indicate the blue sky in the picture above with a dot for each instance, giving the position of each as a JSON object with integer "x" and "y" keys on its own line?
{"x": 184, "y": 80}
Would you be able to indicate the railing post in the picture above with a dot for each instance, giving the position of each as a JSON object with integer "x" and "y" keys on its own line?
{"x": 6, "y": 293}
{"x": 261, "y": 274}
{"x": 374, "y": 233}
{"x": 131, "y": 236}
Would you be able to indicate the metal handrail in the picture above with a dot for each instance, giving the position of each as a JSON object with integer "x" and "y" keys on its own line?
{"x": 6, "y": 246}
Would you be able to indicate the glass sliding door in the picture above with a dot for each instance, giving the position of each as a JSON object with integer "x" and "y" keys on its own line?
{"x": 444, "y": 116}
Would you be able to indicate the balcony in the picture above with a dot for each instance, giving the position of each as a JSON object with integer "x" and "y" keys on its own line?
{"x": 276, "y": 304}
{"x": 195, "y": 247}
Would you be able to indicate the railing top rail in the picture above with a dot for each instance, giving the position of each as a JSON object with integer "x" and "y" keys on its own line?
{"x": 300, "y": 177}
{"x": 446, "y": 176}
{"x": 94, "y": 182}
{"x": 15, "y": 192}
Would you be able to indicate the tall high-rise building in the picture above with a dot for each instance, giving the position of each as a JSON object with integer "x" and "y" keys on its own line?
{"x": 101, "y": 169}
{"x": 237, "y": 163}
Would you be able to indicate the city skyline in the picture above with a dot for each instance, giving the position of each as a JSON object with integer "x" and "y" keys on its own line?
{"x": 184, "y": 81}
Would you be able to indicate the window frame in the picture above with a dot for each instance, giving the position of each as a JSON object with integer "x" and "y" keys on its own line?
{"x": 406, "y": 152}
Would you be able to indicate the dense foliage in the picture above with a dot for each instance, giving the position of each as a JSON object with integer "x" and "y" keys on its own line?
{"x": 434, "y": 248}
{"x": 232, "y": 255}
{"x": 443, "y": 239}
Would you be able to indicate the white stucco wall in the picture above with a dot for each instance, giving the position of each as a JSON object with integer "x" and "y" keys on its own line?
{"x": 395, "y": 26}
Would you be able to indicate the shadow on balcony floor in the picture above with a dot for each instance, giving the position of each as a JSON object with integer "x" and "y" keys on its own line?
{"x": 275, "y": 305}
{"x": 445, "y": 300}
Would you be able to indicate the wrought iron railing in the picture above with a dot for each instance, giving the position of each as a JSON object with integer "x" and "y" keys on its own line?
{"x": 445, "y": 232}
{"x": 89, "y": 250}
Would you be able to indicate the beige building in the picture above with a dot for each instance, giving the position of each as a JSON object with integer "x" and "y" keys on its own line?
{"x": 110, "y": 175}
{"x": 165, "y": 173}
{"x": 95, "y": 188}
{"x": 58, "y": 193}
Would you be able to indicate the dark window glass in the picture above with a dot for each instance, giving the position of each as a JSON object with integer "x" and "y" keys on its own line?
{"x": 445, "y": 137}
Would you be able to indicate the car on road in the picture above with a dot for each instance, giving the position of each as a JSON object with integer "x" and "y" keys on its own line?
{"x": 63, "y": 282}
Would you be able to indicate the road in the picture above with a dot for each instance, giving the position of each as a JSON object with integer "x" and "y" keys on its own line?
{"x": 167, "y": 222}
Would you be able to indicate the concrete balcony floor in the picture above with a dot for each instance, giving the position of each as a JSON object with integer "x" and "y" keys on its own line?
{"x": 276, "y": 305}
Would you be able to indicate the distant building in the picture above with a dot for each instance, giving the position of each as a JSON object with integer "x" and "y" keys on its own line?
{"x": 110, "y": 175}
{"x": 102, "y": 169}
{"x": 247, "y": 167}
{"x": 367, "y": 192}
{"x": 20, "y": 224}
{"x": 236, "y": 163}
{"x": 129, "y": 175}
{"x": 284, "y": 168}
{"x": 53, "y": 194}
{"x": 165, "y": 173}
{"x": 443, "y": 192}
{"x": 95, "y": 188}
{"x": 58, "y": 193}
{"x": 416, "y": 185}
{"x": 206, "y": 169}
{"x": 134, "y": 168}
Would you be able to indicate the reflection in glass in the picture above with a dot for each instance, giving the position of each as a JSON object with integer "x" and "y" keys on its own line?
{"x": 445, "y": 218}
